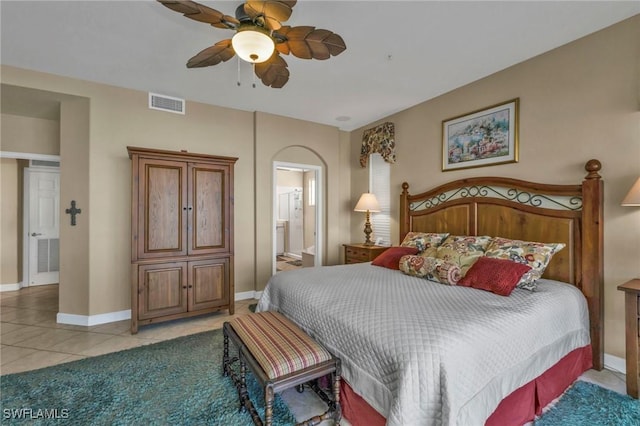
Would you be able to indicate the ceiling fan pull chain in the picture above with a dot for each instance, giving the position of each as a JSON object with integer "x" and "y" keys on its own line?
{"x": 254, "y": 75}
{"x": 238, "y": 71}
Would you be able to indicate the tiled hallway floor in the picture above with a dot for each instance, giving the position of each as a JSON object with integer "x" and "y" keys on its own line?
{"x": 30, "y": 339}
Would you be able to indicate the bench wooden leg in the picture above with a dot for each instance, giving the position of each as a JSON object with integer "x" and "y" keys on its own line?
{"x": 227, "y": 361}
{"x": 335, "y": 378}
{"x": 225, "y": 355}
{"x": 268, "y": 404}
{"x": 242, "y": 390}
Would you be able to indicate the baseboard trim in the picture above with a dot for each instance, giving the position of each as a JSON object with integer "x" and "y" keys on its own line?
{"x": 18, "y": 286}
{"x": 10, "y": 287}
{"x": 615, "y": 363}
{"x": 89, "y": 320}
{"x": 248, "y": 295}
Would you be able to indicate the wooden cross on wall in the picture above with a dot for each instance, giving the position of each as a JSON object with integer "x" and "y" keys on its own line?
{"x": 73, "y": 211}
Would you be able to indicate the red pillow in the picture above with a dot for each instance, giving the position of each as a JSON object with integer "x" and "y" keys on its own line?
{"x": 390, "y": 258}
{"x": 499, "y": 276}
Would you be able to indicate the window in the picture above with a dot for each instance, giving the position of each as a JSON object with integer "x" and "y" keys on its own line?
{"x": 380, "y": 186}
{"x": 312, "y": 191}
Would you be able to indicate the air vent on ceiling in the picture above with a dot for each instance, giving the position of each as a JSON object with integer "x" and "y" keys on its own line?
{"x": 44, "y": 163}
{"x": 166, "y": 103}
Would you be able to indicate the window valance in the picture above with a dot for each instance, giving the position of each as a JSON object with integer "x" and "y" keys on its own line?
{"x": 379, "y": 139}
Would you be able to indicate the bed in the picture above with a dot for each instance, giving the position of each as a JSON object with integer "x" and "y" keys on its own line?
{"x": 418, "y": 352}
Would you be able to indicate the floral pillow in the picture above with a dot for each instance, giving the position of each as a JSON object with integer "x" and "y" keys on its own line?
{"x": 430, "y": 268}
{"x": 423, "y": 240}
{"x": 499, "y": 276}
{"x": 536, "y": 255}
{"x": 430, "y": 252}
{"x": 463, "y": 250}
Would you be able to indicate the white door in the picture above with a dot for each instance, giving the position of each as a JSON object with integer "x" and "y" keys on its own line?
{"x": 44, "y": 226}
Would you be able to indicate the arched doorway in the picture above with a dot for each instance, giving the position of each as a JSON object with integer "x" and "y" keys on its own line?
{"x": 297, "y": 216}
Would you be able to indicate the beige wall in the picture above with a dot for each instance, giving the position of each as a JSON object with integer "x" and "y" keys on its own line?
{"x": 98, "y": 122}
{"x": 284, "y": 139}
{"x": 75, "y": 289}
{"x": 10, "y": 224}
{"x": 96, "y": 171}
{"x": 577, "y": 102}
{"x": 31, "y": 135}
{"x": 290, "y": 178}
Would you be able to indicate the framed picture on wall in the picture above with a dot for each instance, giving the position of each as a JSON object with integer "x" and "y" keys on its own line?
{"x": 481, "y": 138}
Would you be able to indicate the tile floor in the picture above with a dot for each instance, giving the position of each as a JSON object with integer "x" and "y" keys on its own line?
{"x": 30, "y": 338}
{"x": 287, "y": 263}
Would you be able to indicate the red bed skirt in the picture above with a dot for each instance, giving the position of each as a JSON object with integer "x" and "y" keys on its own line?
{"x": 518, "y": 408}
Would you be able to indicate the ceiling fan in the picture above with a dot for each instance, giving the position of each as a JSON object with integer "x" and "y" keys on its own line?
{"x": 260, "y": 37}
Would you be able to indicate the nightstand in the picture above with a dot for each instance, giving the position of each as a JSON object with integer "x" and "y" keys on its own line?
{"x": 358, "y": 253}
{"x": 632, "y": 333}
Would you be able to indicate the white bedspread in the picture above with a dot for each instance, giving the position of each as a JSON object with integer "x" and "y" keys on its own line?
{"x": 425, "y": 353}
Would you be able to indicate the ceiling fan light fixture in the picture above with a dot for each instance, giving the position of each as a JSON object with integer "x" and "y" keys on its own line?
{"x": 258, "y": 30}
{"x": 253, "y": 44}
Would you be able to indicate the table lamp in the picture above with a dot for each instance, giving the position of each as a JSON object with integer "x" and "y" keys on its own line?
{"x": 633, "y": 196}
{"x": 367, "y": 203}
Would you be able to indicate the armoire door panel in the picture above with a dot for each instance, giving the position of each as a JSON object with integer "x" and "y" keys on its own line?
{"x": 207, "y": 281}
{"x": 208, "y": 219}
{"x": 163, "y": 209}
{"x": 162, "y": 289}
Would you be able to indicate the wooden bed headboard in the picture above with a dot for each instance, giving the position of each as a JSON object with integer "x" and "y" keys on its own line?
{"x": 517, "y": 209}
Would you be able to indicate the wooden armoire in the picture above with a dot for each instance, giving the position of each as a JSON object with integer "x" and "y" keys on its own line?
{"x": 181, "y": 235}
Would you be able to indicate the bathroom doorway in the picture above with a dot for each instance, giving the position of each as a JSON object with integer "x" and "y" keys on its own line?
{"x": 296, "y": 216}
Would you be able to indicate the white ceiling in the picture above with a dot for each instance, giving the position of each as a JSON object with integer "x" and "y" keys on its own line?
{"x": 399, "y": 53}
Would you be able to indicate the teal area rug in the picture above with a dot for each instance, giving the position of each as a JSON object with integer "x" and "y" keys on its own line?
{"x": 587, "y": 404}
{"x": 179, "y": 382}
{"x": 176, "y": 382}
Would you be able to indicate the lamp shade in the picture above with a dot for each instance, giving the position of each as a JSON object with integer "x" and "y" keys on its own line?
{"x": 252, "y": 45}
{"x": 367, "y": 202}
{"x": 633, "y": 196}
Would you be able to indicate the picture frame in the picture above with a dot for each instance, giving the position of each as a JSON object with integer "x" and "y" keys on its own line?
{"x": 484, "y": 137}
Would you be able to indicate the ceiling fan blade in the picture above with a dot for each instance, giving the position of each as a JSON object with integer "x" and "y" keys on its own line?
{"x": 201, "y": 13}
{"x": 307, "y": 42}
{"x": 273, "y": 72}
{"x": 222, "y": 51}
{"x": 335, "y": 44}
{"x": 295, "y": 40}
{"x": 273, "y": 11}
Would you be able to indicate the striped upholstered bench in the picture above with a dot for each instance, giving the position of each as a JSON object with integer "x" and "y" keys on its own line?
{"x": 281, "y": 356}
